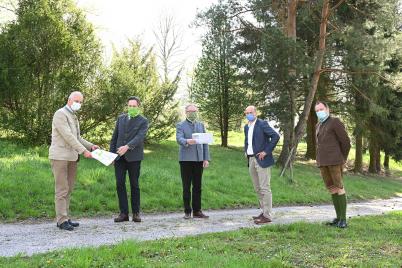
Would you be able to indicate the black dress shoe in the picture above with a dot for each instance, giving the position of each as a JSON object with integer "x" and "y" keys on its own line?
{"x": 74, "y": 224}
{"x": 342, "y": 224}
{"x": 334, "y": 222}
{"x": 122, "y": 217}
{"x": 136, "y": 217}
{"x": 65, "y": 226}
{"x": 200, "y": 215}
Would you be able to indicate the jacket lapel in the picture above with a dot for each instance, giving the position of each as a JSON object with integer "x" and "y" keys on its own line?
{"x": 256, "y": 125}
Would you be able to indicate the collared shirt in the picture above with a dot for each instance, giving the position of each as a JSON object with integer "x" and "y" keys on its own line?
{"x": 69, "y": 109}
{"x": 250, "y": 138}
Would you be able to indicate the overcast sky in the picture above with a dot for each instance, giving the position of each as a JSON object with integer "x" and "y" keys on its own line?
{"x": 118, "y": 20}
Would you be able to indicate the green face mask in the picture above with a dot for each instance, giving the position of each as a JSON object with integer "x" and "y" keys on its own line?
{"x": 133, "y": 111}
{"x": 192, "y": 116}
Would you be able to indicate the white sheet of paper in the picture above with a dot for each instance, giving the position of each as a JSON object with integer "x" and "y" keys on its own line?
{"x": 203, "y": 138}
{"x": 104, "y": 157}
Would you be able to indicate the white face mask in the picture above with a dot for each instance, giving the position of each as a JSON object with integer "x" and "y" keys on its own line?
{"x": 75, "y": 106}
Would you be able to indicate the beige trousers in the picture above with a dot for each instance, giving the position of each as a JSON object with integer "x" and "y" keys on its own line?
{"x": 261, "y": 178}
{"x": 64, "y": 173}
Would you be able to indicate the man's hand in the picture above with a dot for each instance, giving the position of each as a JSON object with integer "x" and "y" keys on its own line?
{"x": 87, "y": 154}
{"x": 261, "y": 155}
{"x": 191, "y": 141}
{"x": 122, "y": 150}
{"x": 205, "y": 164}
{"x": 93, "y": 148}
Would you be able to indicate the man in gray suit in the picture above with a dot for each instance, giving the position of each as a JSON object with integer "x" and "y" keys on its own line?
{"x": 128, "y": 142}
{"x": 193, "y": 158}
{"x": 66, "y": 145}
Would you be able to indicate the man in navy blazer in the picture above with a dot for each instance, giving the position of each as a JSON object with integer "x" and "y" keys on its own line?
{"x": 128, "y": 142}
{"x": 259, "y": 143}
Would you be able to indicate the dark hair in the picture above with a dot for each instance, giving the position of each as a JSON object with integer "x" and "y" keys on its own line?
{"x": 323, "y": 103}
{"x": 134, "y": 98}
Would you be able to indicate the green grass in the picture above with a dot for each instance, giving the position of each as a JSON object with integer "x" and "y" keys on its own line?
{"x": 27, "y": 184}
{"x": 371, "y": 241}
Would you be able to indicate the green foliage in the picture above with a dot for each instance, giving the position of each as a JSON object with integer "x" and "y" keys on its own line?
{"x": 277, "y": 67}
{"x": 47, "y": 52}
{"x": 25, "y": 171}
{"x": 216, "y": 88}
{"x": 133, "y": 73}
{"x": 370, "y": 241}
{"x": 370, "y": 46}
{"x": 51, "y": 50}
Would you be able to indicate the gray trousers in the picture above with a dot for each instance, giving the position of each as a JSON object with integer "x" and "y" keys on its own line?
{"x": 261, "y": 178}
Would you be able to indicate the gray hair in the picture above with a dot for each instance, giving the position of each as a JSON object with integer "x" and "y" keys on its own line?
{"x": 75, "y": 93}
{"x": 188, "y": 105}
{"x": 253, "y": 107}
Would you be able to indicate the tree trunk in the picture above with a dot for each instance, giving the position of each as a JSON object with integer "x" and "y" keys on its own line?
{"x": 287, "y": 143}
{"x": 359, "y": 151}
{"x": 224, "y": 141}
{"x": 386, "y": 164}
{"x": 288, "y": 135}
{"x": 378, "y": 159}
{"x": 375, "y": 157}
{"x": 310, "y": 139}
{"x": 301, "y": 125}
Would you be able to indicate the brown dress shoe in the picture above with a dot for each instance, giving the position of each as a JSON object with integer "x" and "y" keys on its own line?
{"x": 187, "y": 216}
{"x": 262, "y": 220}
{"x": 122, "y": 217}
{"x": 200, "y": 215}
{"x": 136, "y": 217}
{"x": 257, "y": 217}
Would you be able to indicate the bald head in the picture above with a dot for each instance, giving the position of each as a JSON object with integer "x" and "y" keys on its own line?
{"x": 250, "y": 108}
{"x": 251, "y": 113}
{"x": 75, "y": 96}
{"x": 191, "y": 108}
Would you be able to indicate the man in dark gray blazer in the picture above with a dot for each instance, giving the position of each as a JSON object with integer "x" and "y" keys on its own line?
{"x": 193, "y": 158}
{"x": 128, "y": 142}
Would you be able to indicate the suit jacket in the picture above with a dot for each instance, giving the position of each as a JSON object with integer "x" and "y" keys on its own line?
{"x": 130, "y": 132}
{"x": 333, "y": 143}
{"x": 264, "y": 139}
{"x": 66, "y": 140}
{"x": 194, "y": 152}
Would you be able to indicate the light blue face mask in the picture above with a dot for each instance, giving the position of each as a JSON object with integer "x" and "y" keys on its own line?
{"x": 250, "y": 117}
{"x": 322, "y": 116}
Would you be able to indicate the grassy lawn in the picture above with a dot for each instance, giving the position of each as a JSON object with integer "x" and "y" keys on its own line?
{"x": 27, "y": 184}
{"x": 372, "y": 241}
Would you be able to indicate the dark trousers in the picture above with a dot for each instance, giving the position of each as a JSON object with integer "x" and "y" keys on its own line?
{"x": 191, "y": 173}
{"x": 133, "y": 168}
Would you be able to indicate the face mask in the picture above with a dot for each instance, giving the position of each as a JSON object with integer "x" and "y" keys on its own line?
{"x": 133, "y": 111}
{"x": 322, "y": 115}
{"x": 250, "y": 117}
{"x": 192, "y": 116}
{"x": 75, "y": 106}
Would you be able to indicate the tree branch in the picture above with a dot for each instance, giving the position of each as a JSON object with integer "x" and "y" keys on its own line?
{"x": 8, "y": 9}
{"x": 357, "y": 72}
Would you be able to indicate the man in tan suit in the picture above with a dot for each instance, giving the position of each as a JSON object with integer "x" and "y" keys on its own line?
{"x": 66, "y": 145}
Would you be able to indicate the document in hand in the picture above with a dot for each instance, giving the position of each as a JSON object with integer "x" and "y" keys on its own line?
{"x": 103, "y": 156}
{"x": 203, "y": 138}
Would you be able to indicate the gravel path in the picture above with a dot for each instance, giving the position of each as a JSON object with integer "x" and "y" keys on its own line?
{"x": 32, "y": 238}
